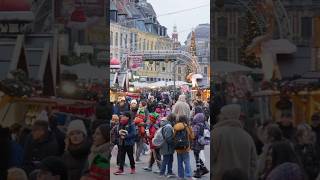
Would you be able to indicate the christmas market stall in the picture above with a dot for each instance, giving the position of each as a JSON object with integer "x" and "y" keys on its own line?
{"x": 27, "y": 110}
{"x": 290, "y": 99}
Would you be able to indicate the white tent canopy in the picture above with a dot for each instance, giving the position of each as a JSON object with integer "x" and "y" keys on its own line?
{"x": 158, "y": 84}
{"x": 164, "y": 83}
{"x": 86, "y": 71}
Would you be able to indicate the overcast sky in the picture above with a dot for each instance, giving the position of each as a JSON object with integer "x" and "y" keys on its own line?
{"x": 185, "y": 20}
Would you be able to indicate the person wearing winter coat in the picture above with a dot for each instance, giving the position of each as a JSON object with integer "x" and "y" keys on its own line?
{"x": 42, "y": 143}
{"x": 134, "y": 107}
{"x": 113, "y": 134}
{"x": 120, "y": 107}
{"x": 268, "y": 133}
{"x": 167, "y": 148}
{"x": 155, "y": 156}
{"x": 181, "y": 107}
{"x": 127, "y": 134}
{"x": 183, "y": 154}
{"x": 11, "y": 153}
{"x": 286, "y": 126}
{"x": 233, "y": 146}
{"x": 306, "y": 151}
{"x": 140, "y": 128}
{"x": 315, "y": 124}
{"x": 198, "y": 127}
{"x": 52, "y": 167}
{"x": 151, "y": 104}
{"x": 283, "y": 163}
{"x": 77, "y": 149}
{"x": 98, "y": 162}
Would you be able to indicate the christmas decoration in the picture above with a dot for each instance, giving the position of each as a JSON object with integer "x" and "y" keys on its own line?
{"x": 251, "y": 31}
{"x": 193, "y": 52}
{"x": 19, "y": 85}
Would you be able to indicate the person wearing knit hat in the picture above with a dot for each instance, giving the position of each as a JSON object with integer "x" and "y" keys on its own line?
{"x": 140, "y": 126}
{"x": 153, "y": 117}
{"x": 155, "y": 156}
{"x": 134, "y": 107}
{"x": 77, "y": 125}
{"x": 52, "y": 168}
{"x": 229, "y": 132}
{"x": 77, "y": 149}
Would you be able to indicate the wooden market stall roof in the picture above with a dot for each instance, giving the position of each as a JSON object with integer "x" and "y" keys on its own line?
{"x": 13, "y": 56}
{"x": 56, "y": 101}
{"x": 36, "y": 54}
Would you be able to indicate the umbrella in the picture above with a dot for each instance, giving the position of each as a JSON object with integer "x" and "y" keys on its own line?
{"x": 227, "y": 67}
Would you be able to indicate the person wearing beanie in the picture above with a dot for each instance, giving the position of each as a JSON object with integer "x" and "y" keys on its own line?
{"x": 127, "y": 135}
{"x": 155, "y": 156}
{"x": 52, "y": 168}
{"x": 134, "y": 107}
{"x": 41, "y": 144}
{"x": 77, "y": 149}
{"x": 140, "y": 127}
{"x": 98, "y": 160}
{"x": 143, "y": 109}
{"x": 228, "y": 132}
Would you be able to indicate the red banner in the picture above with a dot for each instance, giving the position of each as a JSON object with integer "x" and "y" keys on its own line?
{"x": 135, "y": 62}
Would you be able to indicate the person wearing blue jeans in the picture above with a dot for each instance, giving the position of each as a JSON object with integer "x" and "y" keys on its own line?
{"x": 167, "y": 165}
{"x": 183, "y": 136}
{"x": 167, "y": 148}
{"x": 184, "y": 159}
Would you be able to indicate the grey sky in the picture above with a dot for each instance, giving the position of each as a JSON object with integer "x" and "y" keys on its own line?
{"x": 186, "y": 20}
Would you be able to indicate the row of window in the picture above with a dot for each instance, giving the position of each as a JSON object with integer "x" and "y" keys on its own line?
{"x": 157, "y": 79}
{"x": 141, "y": 44}
{"x": 223, "y": 28}
{"x": 205, "y": 70}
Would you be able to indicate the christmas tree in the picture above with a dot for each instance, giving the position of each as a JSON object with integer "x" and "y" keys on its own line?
{"x": 251, "y": 31}
{"x": 193, "y": 52}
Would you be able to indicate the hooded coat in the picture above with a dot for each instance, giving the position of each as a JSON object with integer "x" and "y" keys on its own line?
{"x": 198, "y": 124}
{"x": 181, "y": 107}
{"x": 233, "y": 146}
{"x": 167, "y": 147}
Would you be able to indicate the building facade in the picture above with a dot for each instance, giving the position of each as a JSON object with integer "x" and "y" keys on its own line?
{"x": 229, "y": 29}
{"x": 134, "y": 27}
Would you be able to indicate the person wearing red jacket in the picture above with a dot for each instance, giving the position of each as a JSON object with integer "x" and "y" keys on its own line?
{"x": 155, "y": 156}
{"x": 141, "y": 134}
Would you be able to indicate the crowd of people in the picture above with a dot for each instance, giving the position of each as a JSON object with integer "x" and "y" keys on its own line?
{"x": 274, "y": 150}
{"x": 45, "y": 151}
{"x": 164, "y": 125}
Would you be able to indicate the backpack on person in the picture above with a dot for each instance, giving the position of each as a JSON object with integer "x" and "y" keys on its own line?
{"x": 181, "y": 139}
{"x": 159, "y": 137}
{"x": 204, "y": 138}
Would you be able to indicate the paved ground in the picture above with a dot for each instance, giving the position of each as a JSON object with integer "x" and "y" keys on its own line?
{"x": 142, "y": 175}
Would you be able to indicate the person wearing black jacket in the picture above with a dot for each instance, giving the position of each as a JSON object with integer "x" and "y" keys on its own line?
{"x": 40, "y": 144}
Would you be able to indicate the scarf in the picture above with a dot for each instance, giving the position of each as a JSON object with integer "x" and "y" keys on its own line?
{"x": 103, "y": 150}
{"x": 81, "y": 150}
